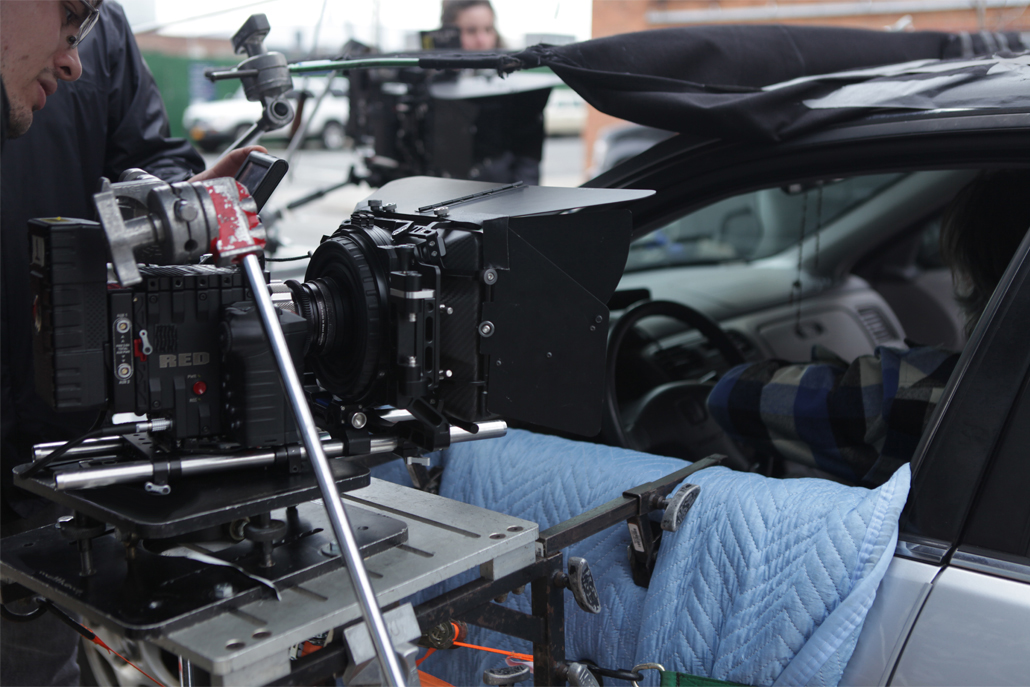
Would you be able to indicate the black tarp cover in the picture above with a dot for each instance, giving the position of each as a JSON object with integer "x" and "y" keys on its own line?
{"x": 712, "y": 81}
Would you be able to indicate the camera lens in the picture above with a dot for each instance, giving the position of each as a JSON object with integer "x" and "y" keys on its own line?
{"x": 344, "y": 299}
{"x": 315, "y": 303}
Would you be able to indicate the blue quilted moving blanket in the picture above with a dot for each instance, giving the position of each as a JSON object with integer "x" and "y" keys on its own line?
{"x": 767, "y": 582}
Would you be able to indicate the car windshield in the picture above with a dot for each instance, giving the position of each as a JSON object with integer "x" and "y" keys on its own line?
{"x": 753, "y": 225}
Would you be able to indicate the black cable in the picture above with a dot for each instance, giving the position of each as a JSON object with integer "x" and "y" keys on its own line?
{"x": 298, "y": 257}
{"x": 67, "y": 619}
{"x": 57, "y": 453}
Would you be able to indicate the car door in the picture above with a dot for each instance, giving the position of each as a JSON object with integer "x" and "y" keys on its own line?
{"x": 954, "y": 607}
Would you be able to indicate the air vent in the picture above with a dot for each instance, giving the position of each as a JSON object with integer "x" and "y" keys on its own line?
{"x": 742, "y": 343}
{"x": 876, "y": 325}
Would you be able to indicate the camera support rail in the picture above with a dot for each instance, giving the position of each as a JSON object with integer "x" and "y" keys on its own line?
{"x": 89, "y": 477}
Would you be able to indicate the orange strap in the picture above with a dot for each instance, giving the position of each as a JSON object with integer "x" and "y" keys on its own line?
{"x": 513, "y": 654}
{"x": 430, "y": 681}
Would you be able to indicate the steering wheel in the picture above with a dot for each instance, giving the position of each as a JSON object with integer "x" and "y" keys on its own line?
{"x": 673, "y": 413}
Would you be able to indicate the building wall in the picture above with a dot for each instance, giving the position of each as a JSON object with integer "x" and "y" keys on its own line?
{"x": 612, "y": 17}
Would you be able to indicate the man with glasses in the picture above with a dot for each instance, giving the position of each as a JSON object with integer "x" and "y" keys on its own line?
{"x": 58, "y": 139}
{"x": 39, "y": 49}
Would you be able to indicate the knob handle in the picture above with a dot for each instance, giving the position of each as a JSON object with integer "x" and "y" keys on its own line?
{"x": 581, "y": 582}
{"x": 580, "y": 676}
{"x": 506, "y": 675}
{"x": 677, "y": 506}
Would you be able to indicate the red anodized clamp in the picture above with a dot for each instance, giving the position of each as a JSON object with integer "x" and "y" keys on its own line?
{"x": 235, "y": 222}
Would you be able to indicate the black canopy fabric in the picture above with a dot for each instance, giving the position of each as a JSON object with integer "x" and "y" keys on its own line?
{"x": 712, "y": 81}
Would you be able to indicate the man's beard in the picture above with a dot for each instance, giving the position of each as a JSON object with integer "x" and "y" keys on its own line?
{"x": 20, "y": 119}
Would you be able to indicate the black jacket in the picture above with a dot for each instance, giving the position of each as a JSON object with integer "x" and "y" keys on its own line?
{"x": 109, "y": 120}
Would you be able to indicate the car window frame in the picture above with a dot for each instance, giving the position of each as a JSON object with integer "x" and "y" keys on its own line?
{"x": 999, "y": 521}
{"x": 959, "y": 445}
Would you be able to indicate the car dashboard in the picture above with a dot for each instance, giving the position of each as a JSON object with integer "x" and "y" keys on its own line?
{"x": 766, "y": 320}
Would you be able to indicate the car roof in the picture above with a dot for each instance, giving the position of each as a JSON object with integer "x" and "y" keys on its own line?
{"x": 768, "y": 83}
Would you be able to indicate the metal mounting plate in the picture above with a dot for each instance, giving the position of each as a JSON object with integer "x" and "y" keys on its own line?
{"x": 445, "y": 538}
{"x": 249, "y": 635}
{"x": 154, "y": 594}
{"x": 195, "y": 502}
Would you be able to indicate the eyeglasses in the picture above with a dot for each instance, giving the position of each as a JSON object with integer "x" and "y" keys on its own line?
{"x": 87, "y": 22}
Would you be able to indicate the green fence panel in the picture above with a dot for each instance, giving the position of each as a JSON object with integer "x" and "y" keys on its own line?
{"x": 180, "y": 80}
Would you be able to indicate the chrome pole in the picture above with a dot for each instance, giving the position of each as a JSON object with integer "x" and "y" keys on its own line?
{"x": 327, "y": 485}
{"x": 185, "y": 672}
{"x": 140, "y": 470}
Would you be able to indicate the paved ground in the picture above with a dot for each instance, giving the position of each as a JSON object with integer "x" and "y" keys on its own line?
{"x": 302, "y": 229}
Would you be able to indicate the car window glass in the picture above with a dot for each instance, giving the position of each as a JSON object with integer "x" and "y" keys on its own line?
{"x": 753, "y": 225}
{"x": 929, "y": 252}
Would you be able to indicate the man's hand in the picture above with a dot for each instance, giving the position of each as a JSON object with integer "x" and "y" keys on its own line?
{"x": 229, "y": 165}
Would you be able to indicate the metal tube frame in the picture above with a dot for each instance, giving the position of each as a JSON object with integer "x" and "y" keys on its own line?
{"x": 140, "y": 470}
{"x": 545, "y": 627}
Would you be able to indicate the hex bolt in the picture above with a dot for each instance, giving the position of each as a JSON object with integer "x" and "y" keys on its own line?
{"x": 443, "y": 211}
{"x": 185, "y": 211}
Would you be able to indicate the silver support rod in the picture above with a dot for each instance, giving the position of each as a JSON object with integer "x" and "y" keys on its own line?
{"x": 345, "y": 538}
{"x": 140, "y": 470}
{"x": 87, "y": 448}
{"x": 185, "y": 672}
{"x": 302, "y": 132}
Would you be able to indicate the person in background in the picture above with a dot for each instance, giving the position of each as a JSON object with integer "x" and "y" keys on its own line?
{"x": 475, "y": 19}
{"x": 862, "y": 421}
{"x": 509, "y": 136}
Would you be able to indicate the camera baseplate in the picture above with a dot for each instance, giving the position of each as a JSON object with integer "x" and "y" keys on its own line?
{"x": 246, "y": 638}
